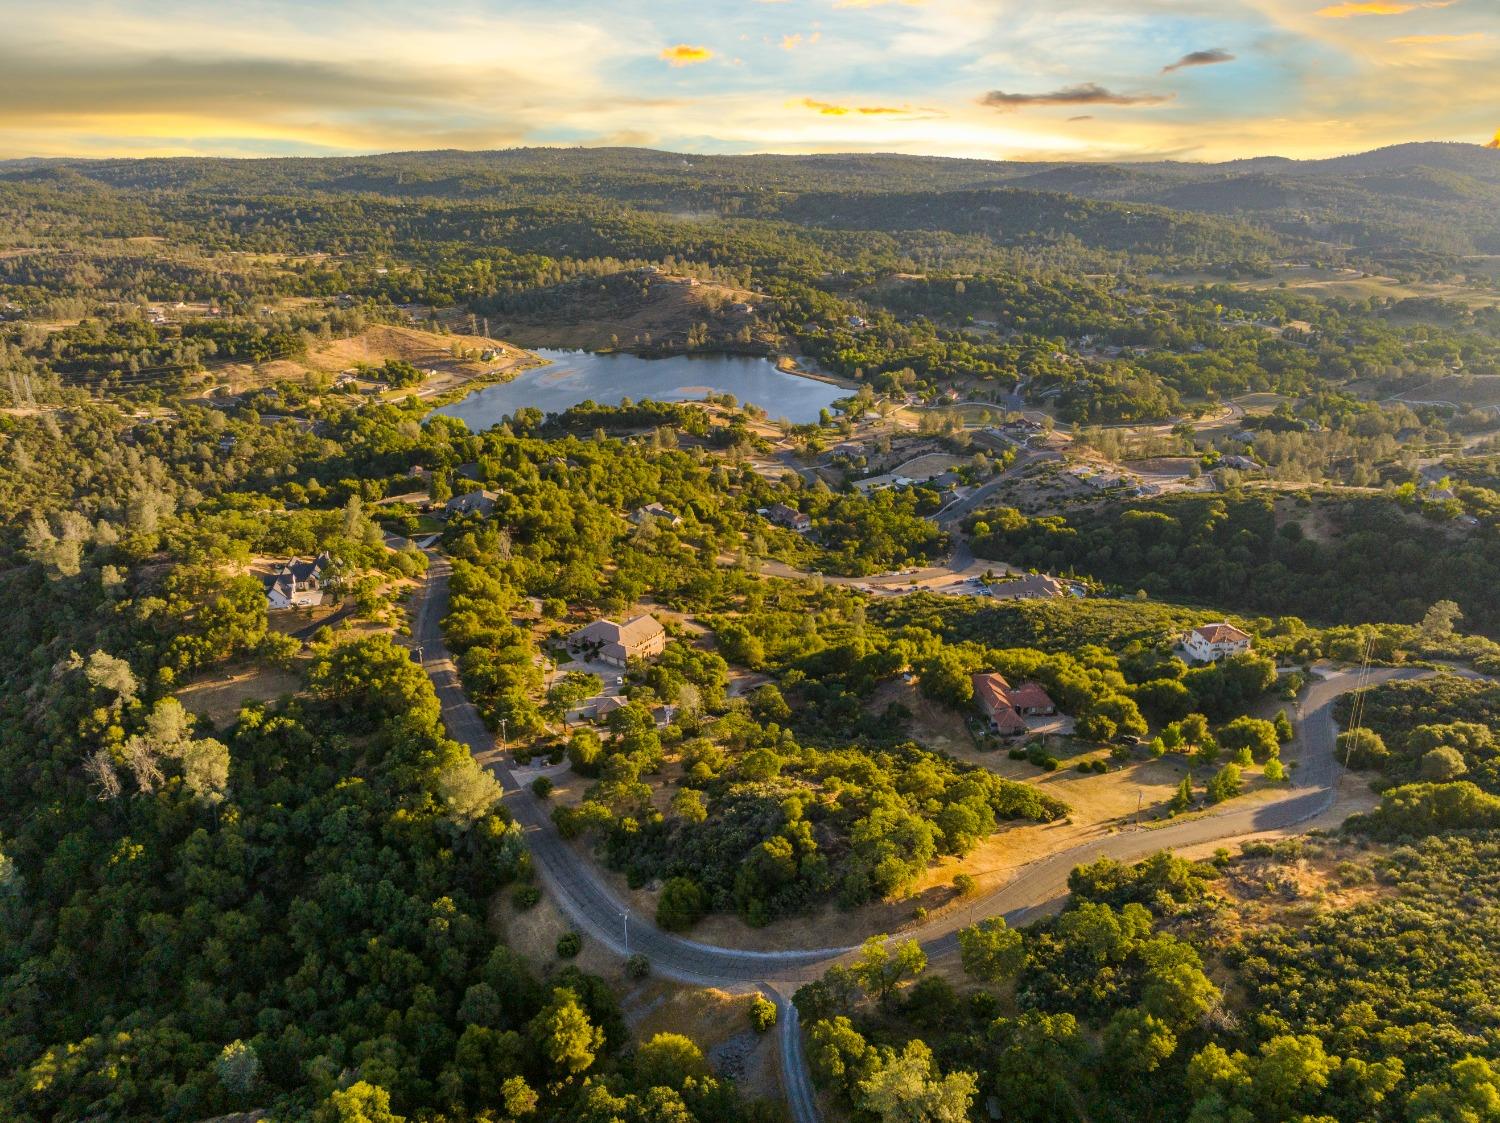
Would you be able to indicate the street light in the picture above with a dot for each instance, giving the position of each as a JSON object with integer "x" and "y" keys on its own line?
{"x": 625, "y": 917}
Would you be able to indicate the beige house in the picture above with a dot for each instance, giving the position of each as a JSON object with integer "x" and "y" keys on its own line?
{"x": 1209, "y": 643}
{"x": 640, "y": 637}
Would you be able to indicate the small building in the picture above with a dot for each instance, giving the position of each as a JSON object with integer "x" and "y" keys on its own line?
{"x": 789, "y": 517}
{"x": 296, "y": 584}
{"x": 1208, "y": 643}
{"x": 468, "y": 503}
{"x": 655, "y": 512}
{"x": 1034, "y": 586}
{"x": 1239, "y": 463}
{"x": 640, "y": 637}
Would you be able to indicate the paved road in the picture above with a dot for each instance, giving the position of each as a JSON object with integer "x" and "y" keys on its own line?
{"x": 594, "y": 907}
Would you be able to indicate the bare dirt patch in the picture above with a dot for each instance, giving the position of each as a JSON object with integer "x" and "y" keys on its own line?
{"x": 219, "y": 697}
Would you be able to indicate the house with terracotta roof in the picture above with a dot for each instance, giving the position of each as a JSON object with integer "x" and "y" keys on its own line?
{"x": 1209, "y": 643}
{"x": 1005, "y": 707}
{"x": 640, "y": 637}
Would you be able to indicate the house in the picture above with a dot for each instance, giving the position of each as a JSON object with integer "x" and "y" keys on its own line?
{"x": 296, "y": 584}
{"x": 1006, "y": 707}
{"x": 992, "y": 696}
{"x": 789, "y": 517}
{"x": 1210, "y": 642}
{"x": 655, "y": 512}
{"x": 640, "y": 637}
{"x": 1239, "y": 463}
{"x": 1033, "y": 586}
{"x": 468, "y": 503}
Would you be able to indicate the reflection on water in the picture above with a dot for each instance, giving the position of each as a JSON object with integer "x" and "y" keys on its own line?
{"x": 575, "y": 376}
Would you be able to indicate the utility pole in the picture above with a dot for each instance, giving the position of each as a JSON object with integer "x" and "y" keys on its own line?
{"x": 502, "y": 733}
{"x": 625, "y": 916}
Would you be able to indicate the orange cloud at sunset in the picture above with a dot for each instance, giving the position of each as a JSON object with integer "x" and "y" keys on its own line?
{"x": 1352, "y": 8}
{"x": 829, "y": 109}
{"x": 686, "y": 55}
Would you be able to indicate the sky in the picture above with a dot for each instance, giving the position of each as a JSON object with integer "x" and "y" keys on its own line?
{"x": 994, "y": 79}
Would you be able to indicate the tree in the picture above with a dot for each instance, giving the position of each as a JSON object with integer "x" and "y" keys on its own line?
{"x": 1184, "y": 797}
{"x": 762, "y": 1013}
{"x": 238, "y": 1068}
{"x": 688, "y": 805}
{"x": 1253, "y": 733}
{"x": 518, "y": 1097}
{"x": 669, "y": 1060}
{"x": 1438, "y": 623}
{"x": 680, "y": 905}
{"x": 1443, "y": 764}
{"x": 1137, "y": 1042}
{"x": 469, "y": 791}
{"x": 1284, "y": 730}
{"x": 361, "y": 1102}
{"x": 568, "y": 1040}
{"x": 1471, "y": 1094}
{"x": 1290, "y": 1071}
{"x": 1275, "y": 771}
{"x": 1225, "y": 784}
{"x": 991, "y": 952}
{"x": 1362, "y": 748}
{"x": 883, "y": 966}
{"x": 907, "y": 1087}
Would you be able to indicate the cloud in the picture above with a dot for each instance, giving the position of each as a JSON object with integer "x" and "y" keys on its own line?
{"x": 1434, "y": 40}
{"x": 830, "y": 109}
{"x": 792, "y": 42}
{"x": 1082, "y": 117}
{"x": 1089, "y": 93}
{"x": 1351, "y": 8}
{"x": 1211, "y": 57}
{"x": 685, "y": 55}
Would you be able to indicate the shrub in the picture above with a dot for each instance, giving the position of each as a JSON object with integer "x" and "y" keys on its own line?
{"x": 681, "y": 904}
{"x": 965, "y": 884}
{"x": 525, "y": 897}
{"x": 762, "y": 1013}
{"x": 569, "y": 944}
{"x": 637, "y": 966}
{"x": 541, "y": 787}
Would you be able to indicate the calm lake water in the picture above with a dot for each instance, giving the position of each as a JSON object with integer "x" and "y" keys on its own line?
{"x": 575, "y": 376}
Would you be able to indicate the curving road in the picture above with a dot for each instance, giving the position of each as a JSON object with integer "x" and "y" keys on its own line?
{"x": 593, "y": 906}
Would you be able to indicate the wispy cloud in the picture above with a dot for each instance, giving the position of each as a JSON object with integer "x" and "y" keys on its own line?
{"x": 1088, "y": 93}
{"x": 1211, "y": 57}
{"x": 684, "y": 54}
{"x": 1436, "y": 40}
{"x": 796, "y": 40}
{"x": 832, "y": 109}
{"x": 1352, "y": 8}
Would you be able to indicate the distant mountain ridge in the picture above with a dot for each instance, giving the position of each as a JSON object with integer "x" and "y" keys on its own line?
{"x": 1407, "y": 206}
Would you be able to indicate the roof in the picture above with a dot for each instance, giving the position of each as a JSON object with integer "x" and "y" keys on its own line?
{"x": 635, "y": 631}
{"x": 1032, "y": 585}
{"x": 1222, "y": 632}
{"x": 992, "y": 695}
{"x": 1030, "y": 696}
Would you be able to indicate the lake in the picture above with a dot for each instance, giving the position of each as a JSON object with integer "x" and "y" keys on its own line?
{"x": 576, "y": 376}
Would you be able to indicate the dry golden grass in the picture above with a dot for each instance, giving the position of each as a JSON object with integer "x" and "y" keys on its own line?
{"x": 220, "y": 696}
